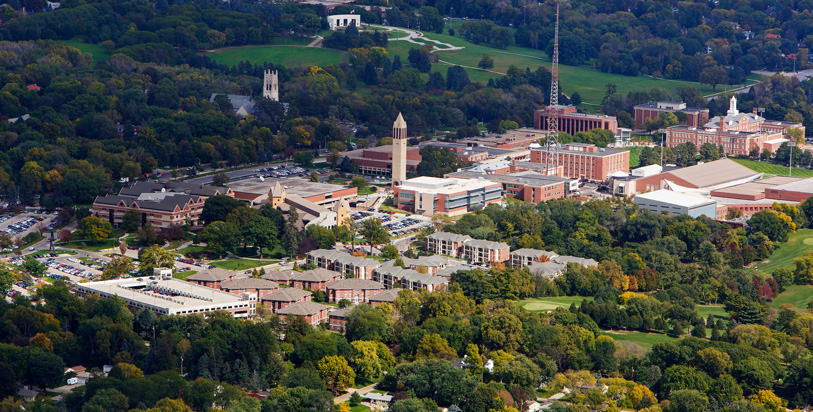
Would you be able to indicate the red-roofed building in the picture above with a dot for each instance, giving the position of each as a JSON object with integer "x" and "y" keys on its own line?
{"x": 33, "y": 87}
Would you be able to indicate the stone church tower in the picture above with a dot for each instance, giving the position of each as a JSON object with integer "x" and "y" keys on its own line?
{"x": 399, "y": 149}
{"x": 271, "y": 85}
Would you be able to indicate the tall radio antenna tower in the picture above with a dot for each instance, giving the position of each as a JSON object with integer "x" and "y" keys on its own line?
{"x": 553, "y": 119}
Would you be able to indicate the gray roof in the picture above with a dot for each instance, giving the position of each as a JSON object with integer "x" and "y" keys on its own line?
{"x": 388, "y": 295}
{"x": 317, "y": 275}
{"x": 547, "y": 269}
{"x": 573, "y": 259}
{"x": 479, "y": 243}
{"x": 428, "y": 261}
{"x": 449, "y": 236}
{"x": 803, "y": 186}
{"x": 329, "y": 254}
{"x": 165, "y": 204}
{"x": 151, "y": 186}
{"x": 303, "y": 308}
{"x": 533, "y": 253}
{"x": 282, "y": 276}
{"x": 449, "y": 270}
{"x": 249, "y": 283}
{"x": 212, "y": 275}
{"x": 341, "y": 313}
{"x": 287, "y": 295}
{"x": 348, "y": 259}
{"x": 354, "y": 284}
{"x": 237, "y": 101}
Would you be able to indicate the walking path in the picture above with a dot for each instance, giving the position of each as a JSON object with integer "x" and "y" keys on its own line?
{"x": 362, "y": 391}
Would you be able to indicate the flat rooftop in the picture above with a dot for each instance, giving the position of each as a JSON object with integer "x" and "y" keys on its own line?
{"x": 718, "y": 172}
{"x": 436, "y": 185}
{"x": 184, "y": 295}
{"x": 722, "y": 201}
{"x": 801, "y": 185}
{"x": 301, "y": 187}
{"x": 676, "y": 198}
{"x": 756, "y": 187}
{"x": 531, "y": 178}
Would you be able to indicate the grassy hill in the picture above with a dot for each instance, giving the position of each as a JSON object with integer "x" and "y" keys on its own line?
{"x": 797, "y": 244}
{"x": 96, "y": 50}
{"x": 290, "y": 56}
{"x": 773, "y": 169}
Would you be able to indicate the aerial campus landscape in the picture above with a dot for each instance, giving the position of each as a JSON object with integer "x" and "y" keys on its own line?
{"x": 408, "y": 206}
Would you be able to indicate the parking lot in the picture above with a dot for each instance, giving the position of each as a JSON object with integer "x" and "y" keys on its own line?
{"x": 25, "y": 223}
{"x": 397, "y": 224}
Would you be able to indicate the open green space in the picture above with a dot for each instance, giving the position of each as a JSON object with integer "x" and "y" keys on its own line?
{"x": 89, "y": 246}
{"x": 289, "y": 56}
{"x": 773, "y": 169}
{"x": 242, "y": 264}
{"x": 717, "y": 310}
{"x": 551, "y": 303}
{"x": 796, "y": 246}
{"x": 635, "y": 155}
{"x": 96, "y": 50}
{"x": 183, "y": 275}
{"x": 360, "y": 408}
{"x": 796, "y": 295}
{"x": 644, "y": 339}
{"x": 192, "y": 249}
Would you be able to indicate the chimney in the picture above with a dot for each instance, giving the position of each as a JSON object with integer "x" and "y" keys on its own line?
{"x": 722, "y": 124}
{"x": 755, "y": 110}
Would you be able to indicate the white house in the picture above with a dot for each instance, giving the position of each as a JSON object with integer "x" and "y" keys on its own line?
{"x": 341, "y": 21}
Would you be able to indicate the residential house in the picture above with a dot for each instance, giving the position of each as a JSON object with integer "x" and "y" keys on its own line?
{"x": 284, "y": 297}
{"x": 385, "y": 296}
{"x": 314, "y": 313}
{"x": 355, "y": 290}
{"x": 315, "y": 279}
{"x": 338, "y": 319}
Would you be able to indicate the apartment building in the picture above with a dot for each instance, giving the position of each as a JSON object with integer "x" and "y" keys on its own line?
{"x": 524, "y": 257}
{"x": 355, "y": 290}
{"x": 444, "y": 243}
{"x": 485, "y": 251}
{"x": 282, "y": 298}
{"x": 314, "y": 313}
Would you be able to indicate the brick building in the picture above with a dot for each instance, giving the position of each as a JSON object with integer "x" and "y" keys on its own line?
{"x": 343, "y": 262}
{"x": 737, "y": 133}
{"x": 572, "y": 122}
{"x": 485, "y": 251}
{"x": 377, "y": 161}
{"x": 395, "y": 276}
{"x": 526, "y": 186}
{"x": 314, "y": 313}
{"x": 524, "y": 257}
{"x": 338, "y": 319}
{"x": 260, "y": 287}
{"x": 355, "y": 290}
{"x": 282, "y": 298}
{"x": 211, "y": 277}
{"x": 694, "y": 116}
{"x": 444, "y": 243}
{"x": 315, "y": 279}
{"x": 586, "y": 161}
{"x": 451, "y": 197}
{"x": 162, "y": 204}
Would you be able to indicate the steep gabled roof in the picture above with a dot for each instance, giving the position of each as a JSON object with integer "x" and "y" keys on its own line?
{"x": 287, "y": 295}
{"x": 303, "y": 309}
{"x": 211, "y": 275}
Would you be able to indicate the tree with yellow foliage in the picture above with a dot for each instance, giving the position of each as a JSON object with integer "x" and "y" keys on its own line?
{"x": 769, "y": 400}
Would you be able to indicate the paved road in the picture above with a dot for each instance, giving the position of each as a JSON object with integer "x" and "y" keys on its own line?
{"x": 361, "y": 391}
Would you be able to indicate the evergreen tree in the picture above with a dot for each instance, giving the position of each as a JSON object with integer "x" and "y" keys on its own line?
{"x": 350, "y": 80}
{"x": 291, "y": 237}
{"x": 396, "y": 63}
{"x": 699, "y": 331}
{"x": 370, "y": 75}
{"x": 386, "y": 67}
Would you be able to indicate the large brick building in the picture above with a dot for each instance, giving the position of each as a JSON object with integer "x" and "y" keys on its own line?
{"x": 526, "y": 186}
{"x": 572, "y": 122}
{"x": 377, "y": 161}
{"x": 314, "y": 313}
{"x": 211, "y": 277}
{"x": 485, "y": 251}
{"x": 260, "y": 287}
{"x": 694, "y": 116}
{"x": 736, "y": 133}
{"x": 162, "y": 205}
{"x": 282, "y": 298}
{"x": 451, "y": 197}
{"x": 444, "y": 243}
{"x": 586, "y": 161}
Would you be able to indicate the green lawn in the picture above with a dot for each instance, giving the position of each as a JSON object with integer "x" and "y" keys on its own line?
{"x": 590, "y": 83}
{"x": 242, "y": 264}
{"x": 773, "y": 169}
{"x": 797, "y": 244}
{"x": 192, "y": 249}
{"x": 96, "y": 50}
{"x": 290, "y": 56}
{"x": 90, "y": 246}
{"x": 716, "y": 310}
{"x": 183, "y": 275}
{"x": 796, "y": 295}
{"x": 550, "y": 303}
{"x": 635, "y": 153}
{"x": 646, "y": 340}
{"x": 360, "y": 408}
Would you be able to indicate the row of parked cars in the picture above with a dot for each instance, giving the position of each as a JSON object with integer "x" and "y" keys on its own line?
{"x": 23, "y": 225}
{"x": 402, "y": 227}
{"x": 360, "y": 215}
{"x": 69, "y": 269}
{"x": 191, "y": 262}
